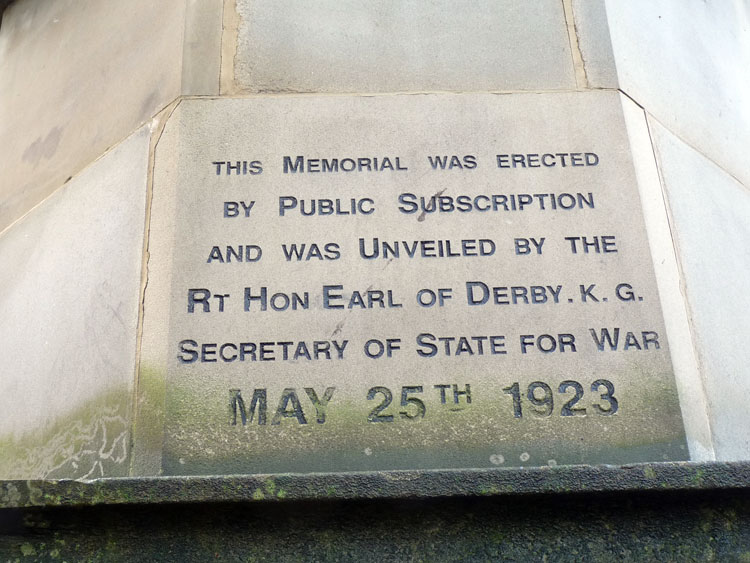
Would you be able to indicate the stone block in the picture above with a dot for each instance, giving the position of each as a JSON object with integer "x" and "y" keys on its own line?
{"x": 393, "y": 46}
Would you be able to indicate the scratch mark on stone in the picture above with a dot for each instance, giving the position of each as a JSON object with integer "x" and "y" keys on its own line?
{"x": 338, "y": 328}
{"x": 437, "y": 194}
{"x": 117, "y": 315}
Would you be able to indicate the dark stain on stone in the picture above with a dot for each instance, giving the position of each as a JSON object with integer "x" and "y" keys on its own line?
{"x": 43, "y": 148}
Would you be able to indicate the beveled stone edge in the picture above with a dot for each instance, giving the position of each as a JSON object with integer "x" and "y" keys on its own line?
{"x": 383, "y": 485}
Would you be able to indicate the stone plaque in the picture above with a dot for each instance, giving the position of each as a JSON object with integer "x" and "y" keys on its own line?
{"x": 400, "y": 282}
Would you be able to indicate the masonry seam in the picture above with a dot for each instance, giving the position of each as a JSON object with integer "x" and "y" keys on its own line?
{"x": 159, "y": 123}
{"x": 229, "y": 38}
{"x": 576, "y": 55}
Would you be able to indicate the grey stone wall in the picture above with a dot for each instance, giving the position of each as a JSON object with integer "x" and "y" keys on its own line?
{"x": 86, "y": 89}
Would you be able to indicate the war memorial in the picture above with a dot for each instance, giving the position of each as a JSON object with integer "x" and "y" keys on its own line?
{"x": 390, "y": 280}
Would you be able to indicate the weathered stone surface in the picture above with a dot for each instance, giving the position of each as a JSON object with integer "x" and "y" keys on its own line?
{"x": 193, "y": 413}
{"x": 672, "y": 512}
{"x": 69, "y": 296}
{"x": 387, "y": 46}
{"x": 384, "y": 485}
{"x": 710, "y": 212}
{"x": 77, "y": 78}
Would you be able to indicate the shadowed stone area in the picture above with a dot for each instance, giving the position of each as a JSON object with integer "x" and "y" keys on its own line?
{"x": 644, "y": 512}
{"x": 603, "y": 527}
{"x": 77, "y": 78}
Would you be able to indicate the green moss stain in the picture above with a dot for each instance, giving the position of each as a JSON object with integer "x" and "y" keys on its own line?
{"x": 184, "y": 425}
{"x": 201, "y": 440}
{"x": 270, "y": 486}
{"x": 149, "y": 418}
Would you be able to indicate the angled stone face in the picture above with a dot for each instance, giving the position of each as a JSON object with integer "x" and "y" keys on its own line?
{"x": 690, "y": 382}
{"x": 351, "y": 283}
{"x": 685, "y": 63}
{"x": 387, "y": 46}
{"x": 69, "y": 306}
{"x": 710, "y": 212}
{"x": 77, "y": 78}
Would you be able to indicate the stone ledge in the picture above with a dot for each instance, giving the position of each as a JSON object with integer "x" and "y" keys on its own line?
{"x": 647, "y": 477}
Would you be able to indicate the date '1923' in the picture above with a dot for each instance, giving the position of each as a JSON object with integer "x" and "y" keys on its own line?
{"x": 541, "y": 398}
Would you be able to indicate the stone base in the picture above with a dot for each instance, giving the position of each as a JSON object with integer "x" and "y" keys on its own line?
{"x": 653, "y": 512}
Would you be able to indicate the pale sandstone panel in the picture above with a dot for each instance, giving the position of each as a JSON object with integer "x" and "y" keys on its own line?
{"x": 225, "y": 382}
{"x": 78, "y": 76}
{"x": 69, "y": 296}
{"x": 387, "y": 45}
{"x": 710, "y": 212}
